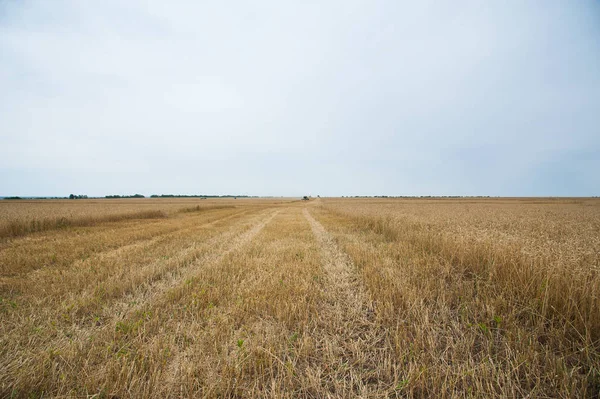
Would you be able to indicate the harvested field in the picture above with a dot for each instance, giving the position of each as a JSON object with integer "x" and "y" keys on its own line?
{"x": 324, "y": 298}
{"x": 22, "y": 217}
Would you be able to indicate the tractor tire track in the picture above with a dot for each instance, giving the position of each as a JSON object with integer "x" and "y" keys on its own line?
{"x": 349, "y": 337}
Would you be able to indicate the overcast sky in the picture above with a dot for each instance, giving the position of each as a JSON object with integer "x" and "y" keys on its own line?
{"x": 300, "y": 97}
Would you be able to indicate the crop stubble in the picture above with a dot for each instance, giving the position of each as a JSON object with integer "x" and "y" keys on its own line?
{"x": 330, "y": 298}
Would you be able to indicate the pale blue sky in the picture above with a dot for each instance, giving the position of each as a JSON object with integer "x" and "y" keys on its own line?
{"x": 292, "y": 98}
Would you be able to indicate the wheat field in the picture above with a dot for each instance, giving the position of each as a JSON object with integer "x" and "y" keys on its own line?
{"x": 327, "y": 298}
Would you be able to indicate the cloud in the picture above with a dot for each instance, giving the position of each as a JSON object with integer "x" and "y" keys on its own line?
{"x": 283, "y": 98}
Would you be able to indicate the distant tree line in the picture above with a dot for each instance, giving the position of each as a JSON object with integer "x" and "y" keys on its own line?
{"x": 31, "y": 198}
{"x": 74, "y": 196}
{"x": 416, "y": 196}
{"x": 199, "y": 196}
{"x": 125, "y": 196}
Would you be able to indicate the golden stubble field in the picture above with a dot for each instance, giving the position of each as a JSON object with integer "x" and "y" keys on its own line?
{"x": 279, "y": 298}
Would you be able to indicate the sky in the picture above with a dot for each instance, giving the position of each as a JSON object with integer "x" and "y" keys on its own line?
{"x": 289, "y": 98}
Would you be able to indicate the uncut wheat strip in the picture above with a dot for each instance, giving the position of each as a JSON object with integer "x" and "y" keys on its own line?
{"x": 79, "y": 276}
{"x": 53, "y": 219}
{"x": 40, "y": 236}
{"x": 148, "y": 274}
{"x": 123, "y": 227}
{"x": 119, "y": 283}
{"x": 349, "y": 335}
{"x": 142, "y": 297}
{"x": 117, "y": 238}
{"x": 42, "y": 282}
